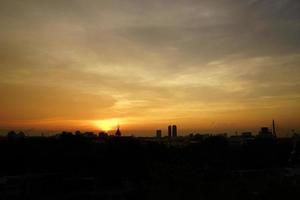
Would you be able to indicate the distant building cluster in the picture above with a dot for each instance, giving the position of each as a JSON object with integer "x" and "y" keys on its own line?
{"x": 266, "y": 133}
{"x": 14, "y": 135}
{"x": 172, "y": 132}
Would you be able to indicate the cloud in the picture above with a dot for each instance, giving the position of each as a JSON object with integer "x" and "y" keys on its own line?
{"x": 148, "y": 59}
{"x": 33, "y": 102}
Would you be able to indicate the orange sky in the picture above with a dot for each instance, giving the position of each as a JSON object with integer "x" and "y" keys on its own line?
{"x": 207, "y": 66}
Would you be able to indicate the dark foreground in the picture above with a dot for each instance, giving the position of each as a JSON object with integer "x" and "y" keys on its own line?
{"x": 131, "y": 168}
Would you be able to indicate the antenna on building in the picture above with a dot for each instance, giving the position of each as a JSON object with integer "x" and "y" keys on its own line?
{"x": 274, "y": 129}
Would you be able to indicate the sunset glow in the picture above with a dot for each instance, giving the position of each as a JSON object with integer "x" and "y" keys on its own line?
{"x": 221, "y": 66}
{"x": 106, "y": 125}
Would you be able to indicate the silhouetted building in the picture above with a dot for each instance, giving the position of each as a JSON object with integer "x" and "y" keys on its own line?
{"x": 235, "y": 139}
{"x": 174, "y": 131}
{"x": 14, "y": 135}
{"x": 65, "y": 135}
{"x": 78, "y": 133}
{"x": 222, "y": 135}
{"x": 158, "y": 133}
{"x": 118, "y": 132}
{"x": 274, "y": 129}
{"x": 246, "y": 134}
{"x": 244, "y": 138}
{"x": 11, "y": 134}
{"x": 265, "y": 133}
{"x": 169, "y": 131}
{"x": 295, "y": 135}
{"x": 102, "y": 134}
{"x": 89, "y": 135}
{"x": 21, "y": 134}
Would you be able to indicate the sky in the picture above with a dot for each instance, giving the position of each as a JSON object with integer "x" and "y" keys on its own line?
{"x": 205, "y": 65}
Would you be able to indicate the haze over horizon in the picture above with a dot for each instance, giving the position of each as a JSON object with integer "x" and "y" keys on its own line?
{"x": 220, "y": 66}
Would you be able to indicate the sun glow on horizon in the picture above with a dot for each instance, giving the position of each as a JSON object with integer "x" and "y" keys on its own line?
{"x": 107, "y": 124}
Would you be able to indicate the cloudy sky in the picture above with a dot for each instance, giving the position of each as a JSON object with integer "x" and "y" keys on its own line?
{"x": 205, "y": 65}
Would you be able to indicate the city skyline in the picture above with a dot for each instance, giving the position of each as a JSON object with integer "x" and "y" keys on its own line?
{"x": 170, "y": 131}
{"x": 206, "y": 66}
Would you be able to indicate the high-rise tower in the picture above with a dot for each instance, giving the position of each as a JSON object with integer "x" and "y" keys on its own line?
{"x": 169, "y": 131}
{"x": 174, "y": 131}
{"x": 274, "y": 129}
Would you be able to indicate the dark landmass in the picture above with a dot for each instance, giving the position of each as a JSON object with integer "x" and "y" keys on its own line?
{"x": 106, "y": 167}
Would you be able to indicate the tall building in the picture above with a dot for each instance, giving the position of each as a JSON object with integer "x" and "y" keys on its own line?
{"x": 274, "y": 129}
{"x": 174, "y": 131}
{"x": 158, "y": 133}
{"x": 169, "y": 131}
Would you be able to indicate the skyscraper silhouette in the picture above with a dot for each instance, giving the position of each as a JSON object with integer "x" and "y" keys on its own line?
{"x": 273, "y": 129}
{"x": 169, "y": 131}
{"x": 174, "y": 131}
